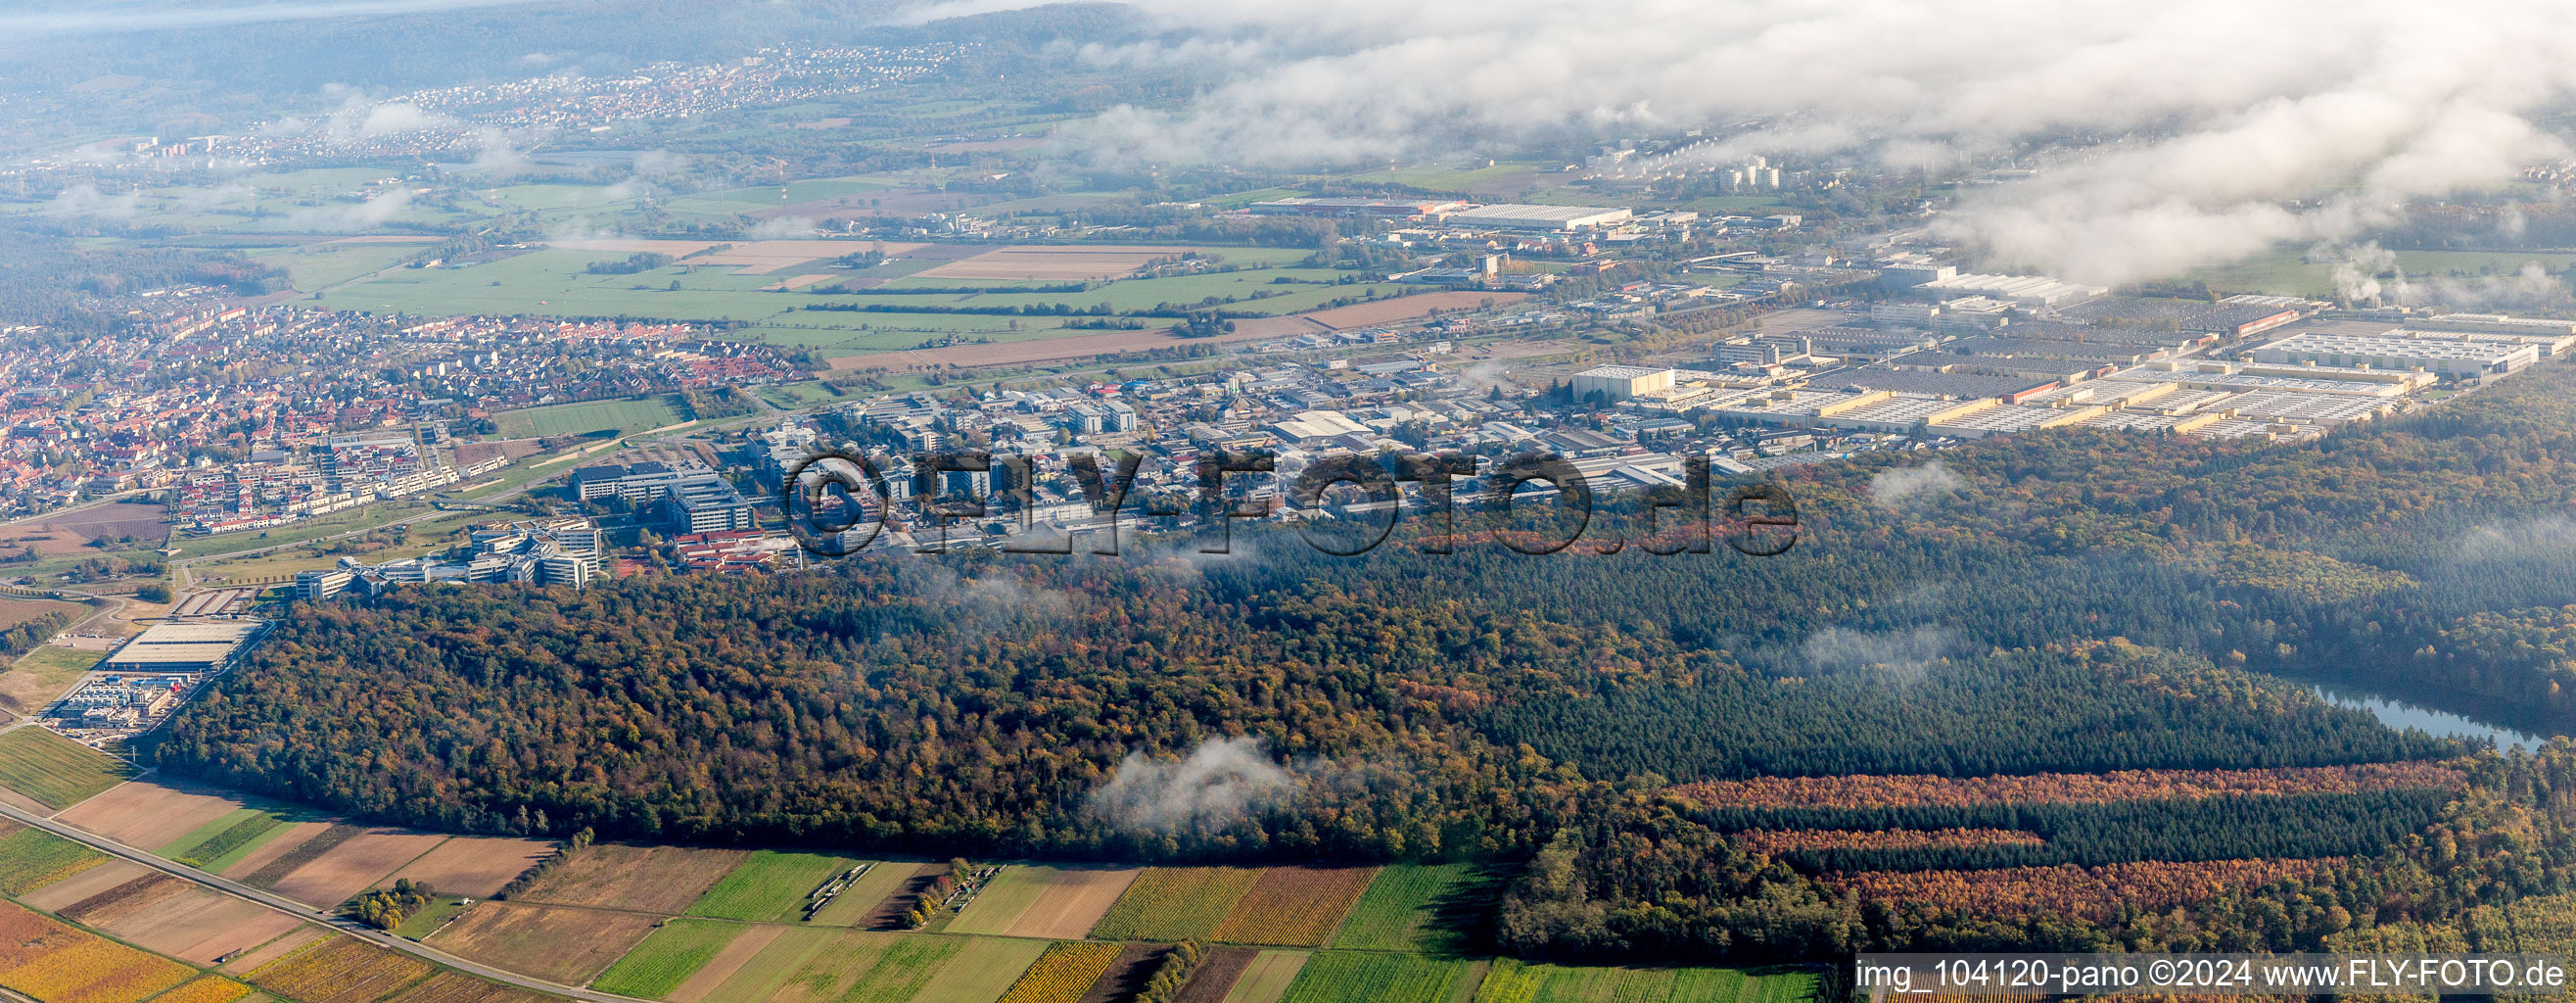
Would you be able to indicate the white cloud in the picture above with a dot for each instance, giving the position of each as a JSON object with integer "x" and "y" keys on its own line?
{"x": 1223, "y": 780}
{"x": 373, "y": 212}
{"x": 1895, "y": 487}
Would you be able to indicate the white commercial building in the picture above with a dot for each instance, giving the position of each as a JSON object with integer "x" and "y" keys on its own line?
{"x": 2451, "y": 357}
{"x": 1619, "y": 383}
{"x": 1538, "y": 217}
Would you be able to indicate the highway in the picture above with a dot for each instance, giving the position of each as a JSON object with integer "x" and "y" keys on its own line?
{"x": 300, "y": 910}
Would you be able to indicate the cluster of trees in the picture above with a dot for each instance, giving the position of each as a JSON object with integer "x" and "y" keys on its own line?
{"x": 386, "y": 908}
{"x": 1641, "y": 878}
{"x": 934, "y": 897}
{"x": 1171, "y": 973}
{"x": 24, "y": 636}
{"x": 49, "y": 280}
{"x": 635, "y": 264}
{"x": 720, "y": 402}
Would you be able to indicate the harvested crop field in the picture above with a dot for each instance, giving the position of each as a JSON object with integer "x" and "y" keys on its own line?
{"x": 354, "y": 864}
{"x": 1176, "y": 903}
{"x": 1072, "y": 903}
{"x": 663, "y": 879}
{"x": 1295, "y": 906}
{"x": 339, "y": 970}
{"x": 54, "y": 897}
{"x": 1215, "y": 976}
{"x": 1035, "y": 263}
{"x": 979, "y": 973}
{"x": 550, "y": 942}
{"x": 263, "y": 954}
{"x": 768, "y": 969}
{"x": 1037, "y": 901}
{"x": 49, "y": 541}
{"x": 200, "y": 925}
{"x": 458, "y": 987}
{"x": 55, "y": 771}
{"x": 871, "y": 966}
{"x": 255, "y": 866}
{"x": 14, "y": 611}
{"x": 725, "y": 964}
{"x": 1267, "y": 979}
{"x": 671, "y": 955}
{"x": 32, "y": 858}
{"x": 124, "y": 900}
{"x": 107, "y": 522}
{"x": 1404, "y": 308}
{"x": 149, "y": 813}
{"x": 475, "y": 866}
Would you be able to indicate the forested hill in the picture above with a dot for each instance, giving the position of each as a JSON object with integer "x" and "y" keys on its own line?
{"x": 2076, "y": 603}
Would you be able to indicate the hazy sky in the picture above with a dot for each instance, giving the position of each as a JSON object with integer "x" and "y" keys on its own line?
{"x": 2228, "y": 109}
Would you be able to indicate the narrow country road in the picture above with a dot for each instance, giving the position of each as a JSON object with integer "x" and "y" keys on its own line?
{"x": 300, "y": 910}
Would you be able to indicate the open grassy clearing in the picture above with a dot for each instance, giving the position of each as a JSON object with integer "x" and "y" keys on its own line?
{"x": 229, "y": 847}
{"x": 556, "y": 282}
{"x": 1335, "y": 976}
{"x": 1450, "y": 178}
{"x": 769, "y": 886}
{"x": 362, "y": 517}
{"x": 52, "y": 665}
{"x": 1268, "y": 978}
{"x": 314, "y": 266}
{"x": 1511, "y": 981}
{"x": 982, "y": 972}
{"x": 762, "y": 975}
{"x": 54, "y": 770}
{"x": 592, "y": 416}
{"x": 1400, "y": 911}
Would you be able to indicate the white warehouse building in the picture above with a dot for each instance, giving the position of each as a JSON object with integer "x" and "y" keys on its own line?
{"x": 1620, "y": 383}
{"x": 2450, "y": 357}
{"x": 1538, "y": 217}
